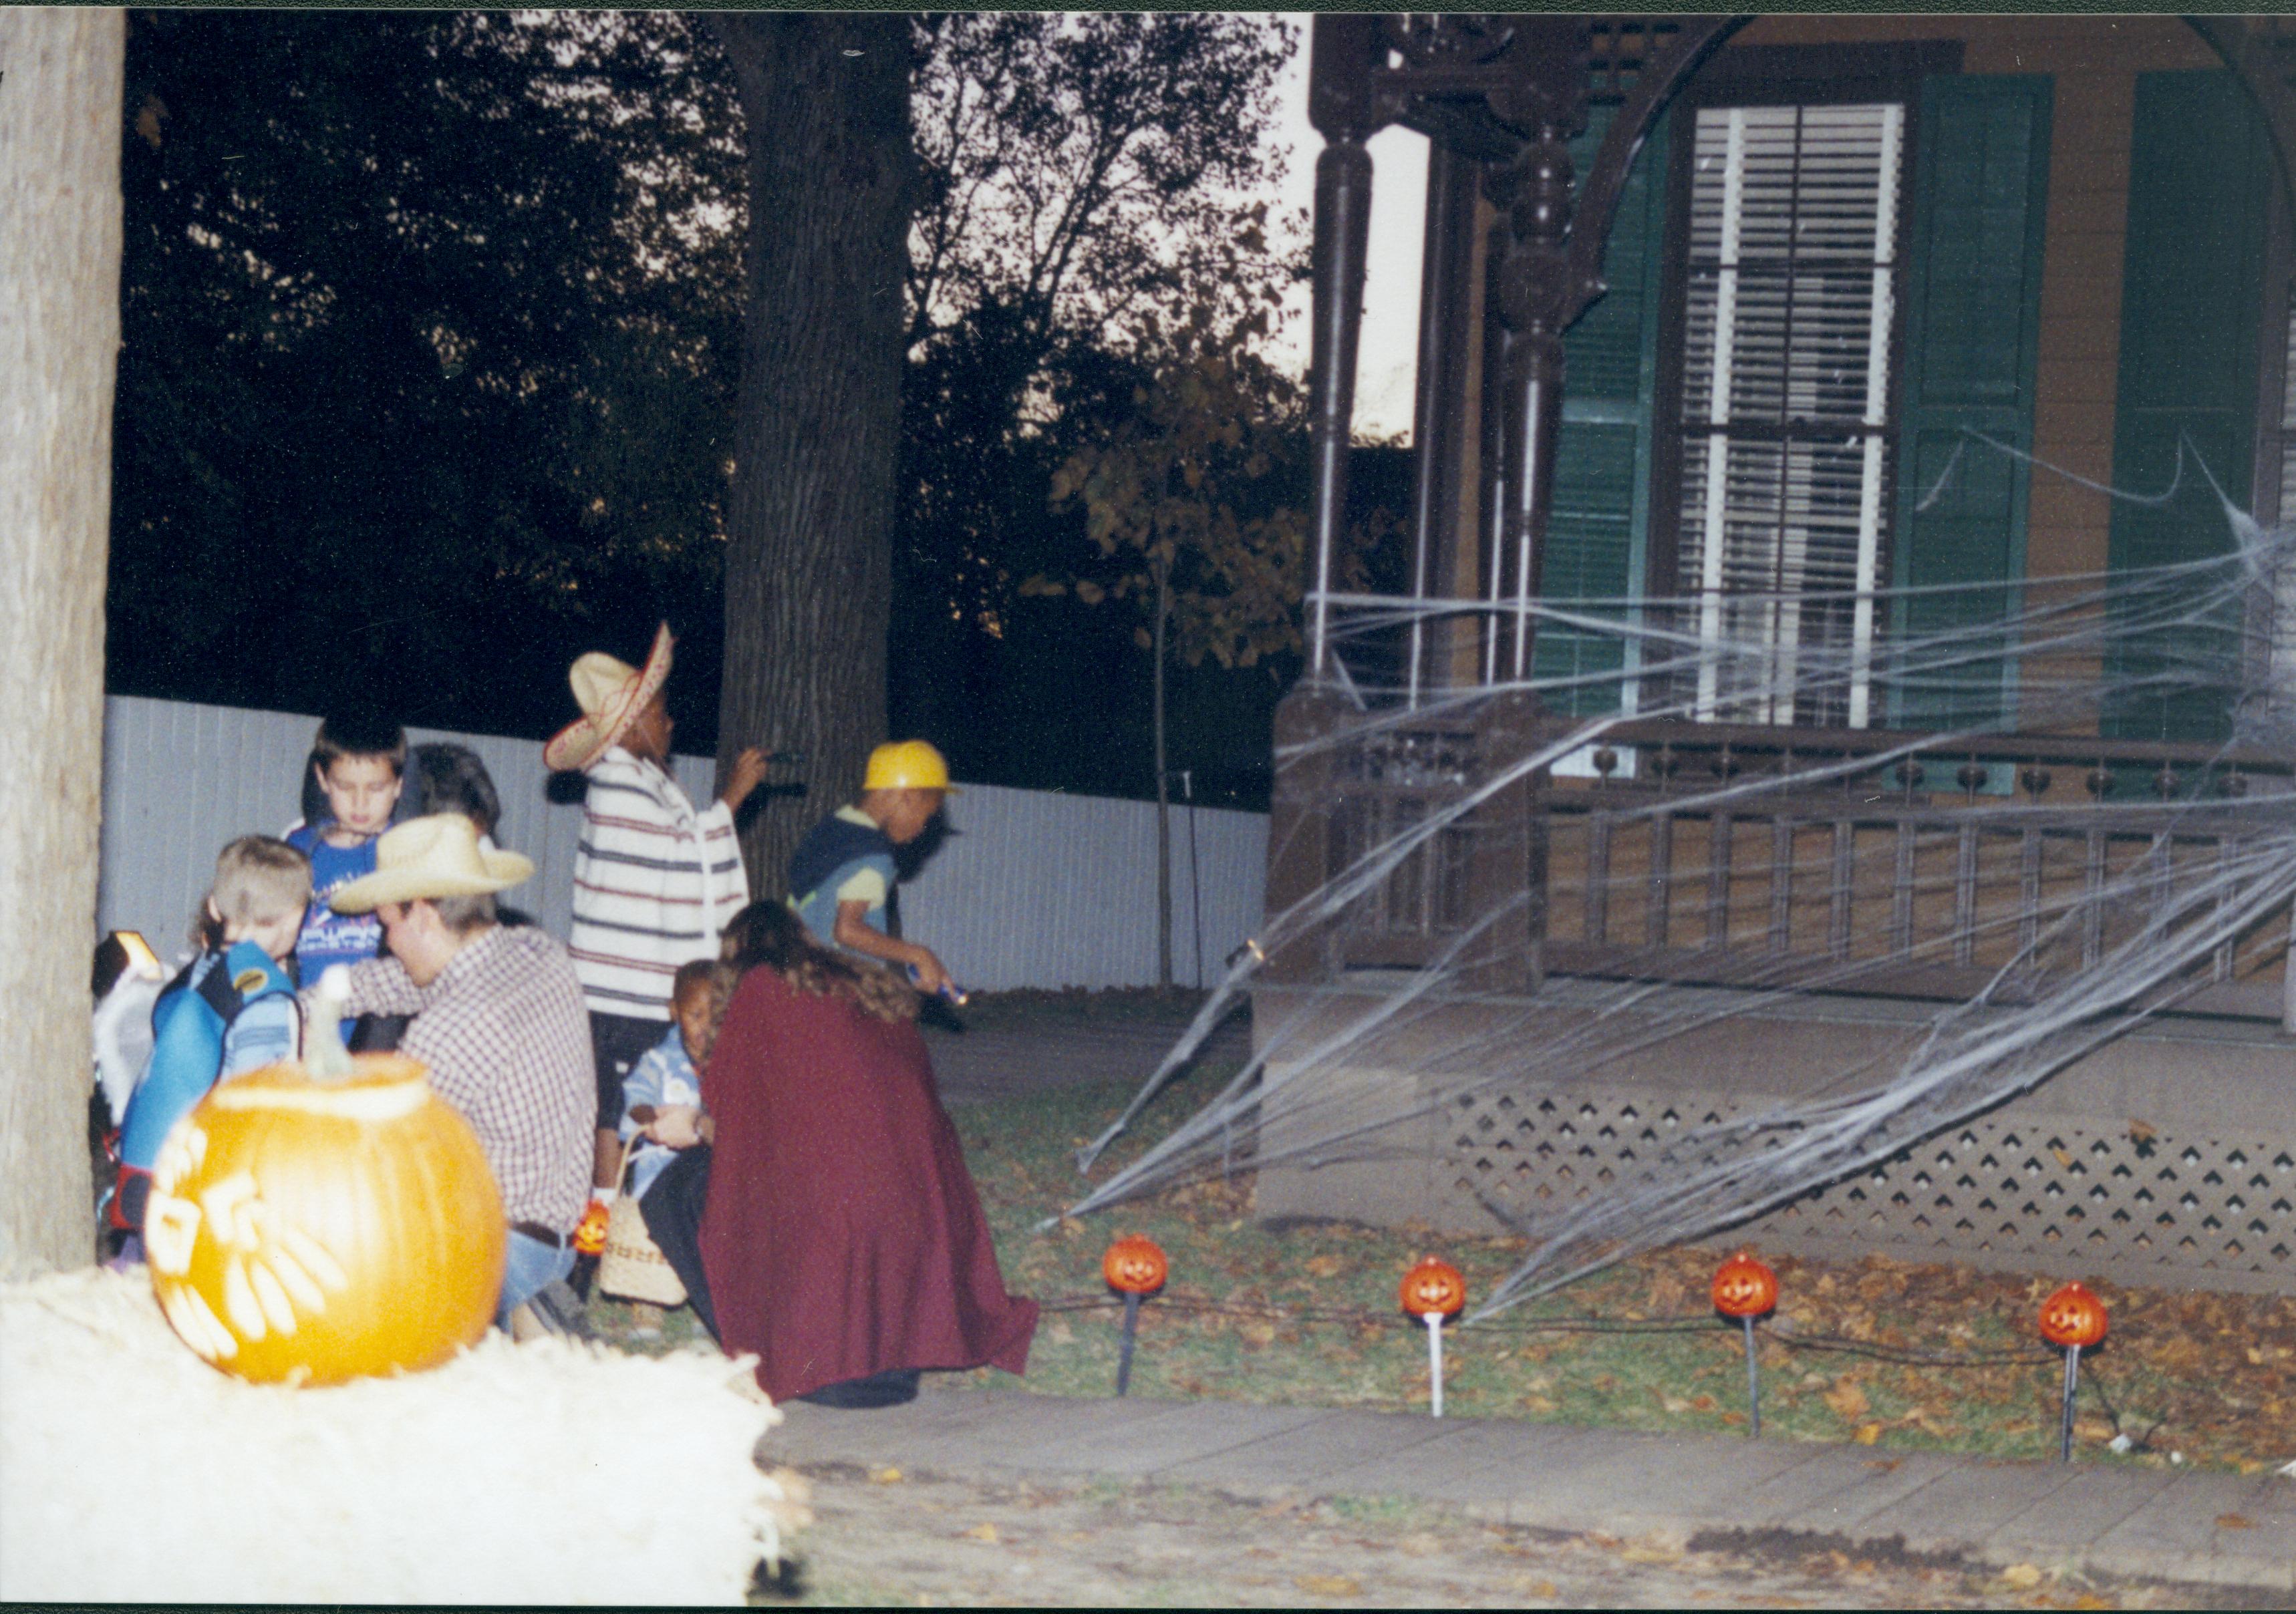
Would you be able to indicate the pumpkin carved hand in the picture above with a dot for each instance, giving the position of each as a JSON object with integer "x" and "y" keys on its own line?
{"x": 310, "y": 1232}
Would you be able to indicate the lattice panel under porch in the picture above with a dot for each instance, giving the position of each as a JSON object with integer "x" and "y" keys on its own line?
{"x": 2018, "y": 1190}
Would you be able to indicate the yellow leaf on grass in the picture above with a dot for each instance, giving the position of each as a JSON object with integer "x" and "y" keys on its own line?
{"x": 1848, "y": 1400}
{"x": 1326, "y": 1266}
{"x": 1329, "y": 1585}
{"x": 1649, "y": 1552}
{"x": 2024, "y": 1576}
{"x": 983, "y": 1531}
{"x": 1866, "y": 1434}
{"x": 885, "y": 1476}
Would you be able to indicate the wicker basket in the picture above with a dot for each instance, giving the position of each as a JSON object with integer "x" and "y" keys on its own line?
{"x": 633, "y": 1266}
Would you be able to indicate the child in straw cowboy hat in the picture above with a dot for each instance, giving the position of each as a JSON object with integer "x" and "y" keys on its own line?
{"x": 654, "y": 880}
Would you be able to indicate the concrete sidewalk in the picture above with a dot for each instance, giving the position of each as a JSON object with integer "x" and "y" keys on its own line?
{"x": 2176, "y": 1525}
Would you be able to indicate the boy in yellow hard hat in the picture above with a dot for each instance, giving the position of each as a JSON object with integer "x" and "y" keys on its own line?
{"x": 841, "y": 875}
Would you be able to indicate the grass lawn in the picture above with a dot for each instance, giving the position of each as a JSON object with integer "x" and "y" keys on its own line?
{"x": 2210, "y": 1378}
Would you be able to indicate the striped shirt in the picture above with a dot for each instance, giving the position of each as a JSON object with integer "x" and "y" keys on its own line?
{"x": 654, "y": 882}
{"x": 508, "y": 1046}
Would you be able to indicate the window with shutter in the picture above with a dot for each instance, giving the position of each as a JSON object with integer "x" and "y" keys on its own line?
{"x": 1790, "y": 293}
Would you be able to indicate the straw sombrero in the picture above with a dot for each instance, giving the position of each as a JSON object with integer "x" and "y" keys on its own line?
{"x": 430, "y": 857}
{"x": 611, "y": 693}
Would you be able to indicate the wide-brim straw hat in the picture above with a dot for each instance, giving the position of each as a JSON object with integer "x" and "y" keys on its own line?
{"x": 431, "y": 858}
{"x": 611, "y": 693}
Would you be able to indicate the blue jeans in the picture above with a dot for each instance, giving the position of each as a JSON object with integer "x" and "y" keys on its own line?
{"x": 532, "y": 1265}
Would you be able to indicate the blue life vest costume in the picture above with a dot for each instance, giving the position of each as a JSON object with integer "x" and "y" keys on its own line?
{"x": 189, "y": 1024}
{"x": 831, "y": 853}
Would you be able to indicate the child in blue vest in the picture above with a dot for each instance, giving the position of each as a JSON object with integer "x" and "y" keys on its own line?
{"x": 358, "y": 764}
{"x": 841, "y": 875}
{"x": 231, "y": 1009}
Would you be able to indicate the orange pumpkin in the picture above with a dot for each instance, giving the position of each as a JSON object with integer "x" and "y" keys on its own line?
{"x": 2072, "y": 1315}
{"x": 1134, "y": 1264}
{"x": 1434, "y": 1285}
{"x": 1745, "y": 1288}
{"x": 304, "y": 1231}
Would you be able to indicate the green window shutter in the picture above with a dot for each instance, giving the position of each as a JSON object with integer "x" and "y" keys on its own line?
{"x": 1972, "y": 333}
{"x": 2191, "y": 280}
{"x": 1598, "y": 525}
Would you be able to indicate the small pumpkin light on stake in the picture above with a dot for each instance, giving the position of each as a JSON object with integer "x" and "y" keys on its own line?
{"x": 1744, "y": 1289}
{"x": 2071, "y": 1319}
{"x": 1431, "y": 1292}
{"x": 1135, "y": 1267}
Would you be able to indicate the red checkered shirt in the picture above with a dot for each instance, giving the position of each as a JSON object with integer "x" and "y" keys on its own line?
{"x": 507, "y": 1040}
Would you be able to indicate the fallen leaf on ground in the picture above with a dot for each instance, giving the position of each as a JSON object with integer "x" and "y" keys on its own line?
{"x": 2024, "y": 1576}
{"x": 1650, "y": 1552}
{"x": 885, "y": 1475}
{"x": 1866, "y": 1434}
{"x": 983, "y": 1531}
{"x": 1848, "y": 1400}
{"x": 1326, "y": 1266}
{"x": 2235, "y": 1521}
{"x": 1329, "y": 1585}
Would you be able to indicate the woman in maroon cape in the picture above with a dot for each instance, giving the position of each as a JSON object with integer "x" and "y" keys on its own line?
{"x": 842, "y": 1238}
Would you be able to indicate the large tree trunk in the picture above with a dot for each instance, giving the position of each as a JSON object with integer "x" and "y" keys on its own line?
{"x": 59, "y": 344}
{"x": 809, "y": 566}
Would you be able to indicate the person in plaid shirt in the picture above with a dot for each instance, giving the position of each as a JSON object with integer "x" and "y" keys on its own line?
{"x": 498, "y": 1018}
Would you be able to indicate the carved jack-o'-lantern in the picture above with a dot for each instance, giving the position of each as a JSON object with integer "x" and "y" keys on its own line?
{"x": 1434, "y": 1285}
{"x": 1745, "y": 1288}
{"x": 1133, "y": 1265}
{"x": 2072, "y": 1315}
{"x": 307, "y": 1232}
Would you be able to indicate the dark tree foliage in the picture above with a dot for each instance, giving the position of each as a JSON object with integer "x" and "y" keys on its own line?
{"x": 1079, "y": 176}
{"x": 428, "y": 358}
{"x": 433, "y": 327}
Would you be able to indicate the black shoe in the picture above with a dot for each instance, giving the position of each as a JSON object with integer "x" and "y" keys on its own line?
{"x": 556, "y": 1308}
{"x": 891, "y": 1388}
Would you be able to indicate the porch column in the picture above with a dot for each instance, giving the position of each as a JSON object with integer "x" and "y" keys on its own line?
{"x": 1339, "y": 105}
{"x": 1534, "y": 289}
{"x": 1438, "y": 414}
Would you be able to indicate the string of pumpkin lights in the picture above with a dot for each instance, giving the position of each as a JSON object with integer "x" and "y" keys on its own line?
{"x": 1744, "y": 1293}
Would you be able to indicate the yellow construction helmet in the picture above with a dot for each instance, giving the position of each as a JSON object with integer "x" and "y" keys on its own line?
{"x": 908, "y": 765}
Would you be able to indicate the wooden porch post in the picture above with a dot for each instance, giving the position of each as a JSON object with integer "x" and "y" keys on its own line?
{"x": 1537, "y": 283}
{"x": 1438, "y": 414}
{"x": 1340, "y": 105}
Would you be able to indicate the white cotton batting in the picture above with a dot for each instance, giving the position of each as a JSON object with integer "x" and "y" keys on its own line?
{"x": 550, "y": 1473}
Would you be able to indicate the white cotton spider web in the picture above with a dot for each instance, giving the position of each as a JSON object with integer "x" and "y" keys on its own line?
{"x": 2060, "y": 993}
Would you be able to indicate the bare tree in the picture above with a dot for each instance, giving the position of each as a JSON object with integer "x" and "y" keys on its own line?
{"x": 60, "y": 226}
{"x": 808, "y": 561}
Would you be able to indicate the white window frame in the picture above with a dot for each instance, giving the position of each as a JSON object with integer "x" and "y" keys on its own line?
{"x": 1709, "y": 415}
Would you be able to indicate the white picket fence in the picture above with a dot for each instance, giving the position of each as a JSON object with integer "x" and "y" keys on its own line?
{"x": 1031, "y": 889}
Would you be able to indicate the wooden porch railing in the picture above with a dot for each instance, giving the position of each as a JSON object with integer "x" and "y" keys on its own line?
{"x": 1868, "y": 867}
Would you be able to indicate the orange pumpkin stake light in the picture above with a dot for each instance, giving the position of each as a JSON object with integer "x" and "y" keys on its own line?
{"x": 1135, "y": 1267}
{"x": 308, "y": 1231}
{"x": 1744, "y": 1289}
{"x": 1433, "y": 1290}
{"x": 2071, "y": 1318}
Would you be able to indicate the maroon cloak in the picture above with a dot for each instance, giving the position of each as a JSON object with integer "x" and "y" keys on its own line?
{"x": 843, "y": 1235}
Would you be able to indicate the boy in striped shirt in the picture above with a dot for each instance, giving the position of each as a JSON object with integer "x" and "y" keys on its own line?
{"x": 654, "y": 880}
